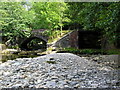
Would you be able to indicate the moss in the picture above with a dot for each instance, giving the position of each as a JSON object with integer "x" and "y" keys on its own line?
{"x": 113, "y": 51}
{"x": 89, "y": 51}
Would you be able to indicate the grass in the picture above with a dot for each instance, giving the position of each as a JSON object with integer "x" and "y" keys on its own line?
{"x": 90, "y": 51}
{"x": 113, "y": 51}
{"x": 56, "y": 35}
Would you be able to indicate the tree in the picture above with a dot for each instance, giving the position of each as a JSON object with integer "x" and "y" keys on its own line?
{"x": 14, "y": 20}
{"x": 49, "y": 15}
{"x": 97, "y": 16}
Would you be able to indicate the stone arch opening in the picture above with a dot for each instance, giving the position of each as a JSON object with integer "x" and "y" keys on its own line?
{"x": 89, "y": 40}
{"x": 33, "y": 43}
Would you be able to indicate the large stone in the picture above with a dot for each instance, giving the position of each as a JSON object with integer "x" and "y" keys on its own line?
{"x": 2, "y": 47}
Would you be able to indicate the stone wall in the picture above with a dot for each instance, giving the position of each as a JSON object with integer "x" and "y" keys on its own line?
{"x": 69, "y": 40}
{"x": 84, "y": 40}
{"x": 73, "y": 37}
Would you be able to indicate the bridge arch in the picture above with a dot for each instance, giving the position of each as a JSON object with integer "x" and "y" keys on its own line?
{"x": 34, "y": 43}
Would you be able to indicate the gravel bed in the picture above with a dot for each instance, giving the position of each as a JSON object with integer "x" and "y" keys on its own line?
{"x": 58, "y": 70}
{"x": 107, "y": 60}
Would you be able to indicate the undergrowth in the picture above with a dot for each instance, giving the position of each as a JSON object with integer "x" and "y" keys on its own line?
{"x": 89, "y": 51}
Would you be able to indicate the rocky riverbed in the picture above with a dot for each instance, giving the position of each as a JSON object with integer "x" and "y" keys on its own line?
{"x": 58, "y": 70}
{"x": 107, "y": 60}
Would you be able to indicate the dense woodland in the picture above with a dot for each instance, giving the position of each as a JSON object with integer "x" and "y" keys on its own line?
{"x": 18, "y": 19}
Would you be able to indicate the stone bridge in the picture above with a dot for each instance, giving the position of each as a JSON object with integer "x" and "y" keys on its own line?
{"x": 39, "y": 36}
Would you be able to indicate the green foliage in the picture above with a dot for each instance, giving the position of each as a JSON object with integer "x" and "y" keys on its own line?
{"x": 55, "y": 34}
{"x": 14, "y": 19}
{"x": 97, "y": 15}
{"x": 82, "y": 51}
{"x": 17, "y": 19}
{"x": 113, "y": 52}
{"x": 49, "y": 15}
{"x": 90, "y": 51}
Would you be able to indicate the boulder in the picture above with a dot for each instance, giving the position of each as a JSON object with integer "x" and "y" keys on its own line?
{"x": 2, "y": 47}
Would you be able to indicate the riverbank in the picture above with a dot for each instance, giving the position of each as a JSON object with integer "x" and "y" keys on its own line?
{"x": 11, "y": 55}
{"x": 58, "y": 70}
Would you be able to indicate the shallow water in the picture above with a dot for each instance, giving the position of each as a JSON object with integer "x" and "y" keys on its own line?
{"x": 20, "y": 54}
{"x": 5, "y": 57}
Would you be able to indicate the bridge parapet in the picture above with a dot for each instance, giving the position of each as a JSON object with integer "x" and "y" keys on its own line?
{"x": 35, "y": 34}
{"x": 39, "y": 33}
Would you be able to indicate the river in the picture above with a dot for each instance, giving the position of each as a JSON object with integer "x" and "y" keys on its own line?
{"x": 22, "y": 54}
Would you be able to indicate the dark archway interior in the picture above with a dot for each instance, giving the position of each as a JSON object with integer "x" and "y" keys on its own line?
{"x": 89, "y": 40}
{"x": 33, "y": 43}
